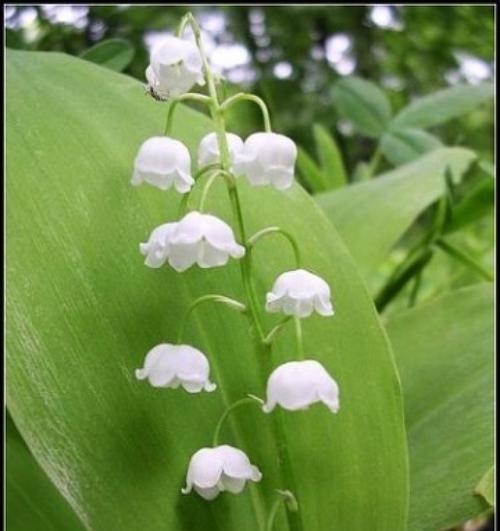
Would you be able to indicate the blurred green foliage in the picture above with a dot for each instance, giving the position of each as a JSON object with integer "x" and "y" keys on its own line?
{"x": 296, "y": 53}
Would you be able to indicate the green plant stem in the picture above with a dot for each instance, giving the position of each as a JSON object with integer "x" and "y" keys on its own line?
{"x": 231, "y": 303}
{"x": 277, "y": 230}
{"x": 201, "y": 98}
{"x": 374, "y": 162}
{"x": 206, "y": 189}
{"x": 298, "y": 335}
{"x": 285, "y": 497}
{"x": 415, "y": 289}
{"x": 413, "y": 263}
{"x": 263, "y": 351}
{"x": 241, "y": 96}
{"x": 274, "y": 331}
{"x": 465, "y": 259}
{"x": 250, "y": 399}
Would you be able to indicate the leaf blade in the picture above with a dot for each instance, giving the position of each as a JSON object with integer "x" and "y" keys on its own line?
{"x": 444, "y": 105}
{"x": 364, "y": 104}
{"x": 456, "y": 410}
{"x": 79, "y": 293}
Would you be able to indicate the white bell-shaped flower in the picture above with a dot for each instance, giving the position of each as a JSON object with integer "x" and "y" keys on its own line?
{"x": 208, "y": 151}
{"x": 299, "y": 384}
{"x": 175, "y": 66}
{"x": 202, "y": 239}
{"x": 177, "y": 365}
{"x": 298, "y": 293}
{"x": 155, "y": 249}
{"x": 163, "y": 162}
{"x": 268, "y": 158}
{"x": 214, "y": 470}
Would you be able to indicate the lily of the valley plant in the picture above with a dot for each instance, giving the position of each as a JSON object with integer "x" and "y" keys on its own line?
{"x": 198, "y": 238}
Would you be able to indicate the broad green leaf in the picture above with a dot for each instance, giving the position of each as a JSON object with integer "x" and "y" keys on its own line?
{"x": 444, "y": 350}
{"x": 444, "y": 105}
{"x": 32, "y": 501}
{"x": 400, "y": 146}
{"x": 486, "y": 487}
{"x": 83, "y": 311}
{"x": 478, "y": 203}
{"x": 311, "y": 174}
{"x": 372, "y": 216}
{"x": 115, "y": 54}
{"x": 330, "y": 158}
{"x": 364, "y": 104}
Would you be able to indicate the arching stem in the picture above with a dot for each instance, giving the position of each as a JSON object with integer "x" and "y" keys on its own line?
{"x": 250, "y": 399}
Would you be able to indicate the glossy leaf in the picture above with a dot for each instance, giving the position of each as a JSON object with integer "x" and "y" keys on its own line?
{"x": 486, "y": 487}
{"x": 444, "y": 349}
{"x": 400, "y": 146}
{"x": 444, "y": 105}
{"x": 364, "y": 104}
{"x": 84, "y": 310}
{"x": 372, "y": 216}
{"x": 330, "y": 158}
{"x": 115, "y": 54}
{"x": 32, "y": 501}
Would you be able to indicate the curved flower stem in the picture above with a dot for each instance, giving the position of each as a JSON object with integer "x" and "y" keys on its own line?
{"x": 274, "y": 331}
{"x": 197, "y": 175}
{"x": 298, "y": 335}
{"x": 233, "y": 304}
{"x": 288, "y": 499}
{"x": 242, "y": 96}
{"x": 206, "y": 189}
{"x": 277, "y": 230}
{"x": 250, "y": 399}
{"x": 201, "y": 98}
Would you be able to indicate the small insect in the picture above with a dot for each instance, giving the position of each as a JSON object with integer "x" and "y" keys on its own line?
{"x": 148, "y": 89}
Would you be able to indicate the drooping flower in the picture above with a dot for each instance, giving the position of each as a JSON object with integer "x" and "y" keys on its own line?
{"x": 298, "y": 384}
{"x": 163, "y": 162}
{"x": 208, "y": 151}
{"x": 175, "y": 66}
{"x": 299, "y": 293}
{"x": 177, "y": 365}
{"x": 223, "y": 468}
{"x": 268, "y": 158}
{"x": 155, "y": 249}
{"x": 202, "y": 239}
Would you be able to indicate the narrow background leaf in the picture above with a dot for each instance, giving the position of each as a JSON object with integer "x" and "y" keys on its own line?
{"x": 486, "y": 487}
{"x": 444, "y": 105}
{"x": 372, "y": 216}
{"x": 400, "y": 146}
{"x": 115, "y": 54}
{"x": 330, "y": 158}
{"x": 364, "y": 104}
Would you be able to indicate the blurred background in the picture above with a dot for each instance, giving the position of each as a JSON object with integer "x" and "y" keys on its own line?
{"x": 292, "y": 56}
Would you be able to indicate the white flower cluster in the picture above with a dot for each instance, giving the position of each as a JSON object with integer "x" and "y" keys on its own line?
{"x": 203, "y": 239}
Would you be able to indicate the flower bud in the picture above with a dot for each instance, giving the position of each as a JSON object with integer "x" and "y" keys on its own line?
{"x": 268, "y": 158}
{"x": 163, "y": 162}
{"x": 298, "y": 384}
{"x": 298, "y": 293}
{"x": 176, "y": 365}
{"x": 208, "y": 151}
{"x": 175, "y": 66}
{"x": 214, "y": 470}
